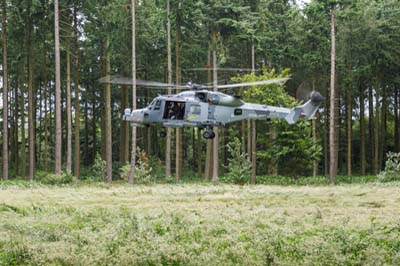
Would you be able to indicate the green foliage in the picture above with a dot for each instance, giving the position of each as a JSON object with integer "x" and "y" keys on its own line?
{"x": 313, "y": 181}
{"x": 239, "y": 167}
{"x": 53, "y": 179}
{"x": 143, "y": 169}
{"x": 392, "y": 168}
{"x": 99, "y": 169}
{"x": 282, "y": 144}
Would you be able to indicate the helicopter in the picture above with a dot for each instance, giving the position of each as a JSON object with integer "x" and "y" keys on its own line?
{"x": 198, "y": 106}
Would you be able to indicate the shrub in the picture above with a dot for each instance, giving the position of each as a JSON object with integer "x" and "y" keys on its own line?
{"x": 142, "y": 169}
{"x": 392, "y": 168}
{"x": 99, "y": 169}
{"x": 238, "y": 164}
{"x": 52, "y": 179}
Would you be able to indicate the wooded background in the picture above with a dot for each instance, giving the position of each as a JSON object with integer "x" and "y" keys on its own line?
{"x": 57, "y": 116}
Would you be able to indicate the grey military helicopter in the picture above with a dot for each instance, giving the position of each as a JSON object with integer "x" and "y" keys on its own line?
{"x": 197, "y": 106}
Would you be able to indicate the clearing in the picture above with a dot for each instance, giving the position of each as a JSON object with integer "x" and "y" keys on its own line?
{"x": 200, "y": 224}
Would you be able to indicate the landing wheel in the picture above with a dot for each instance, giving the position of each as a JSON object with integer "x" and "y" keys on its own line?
{"x": 163, "y": 134}
{"x": 208, "y": 134}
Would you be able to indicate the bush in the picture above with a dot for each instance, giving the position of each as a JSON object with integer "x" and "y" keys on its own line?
{"x": 392, "y": 168}
{"x": 239, "y": 166}
{"x": 52, "y": 179}
{"x": 142, "y": 169}
{"x": 99, "y": 169}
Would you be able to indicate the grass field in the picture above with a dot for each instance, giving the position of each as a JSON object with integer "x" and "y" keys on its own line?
{"x": 200, "y": 224}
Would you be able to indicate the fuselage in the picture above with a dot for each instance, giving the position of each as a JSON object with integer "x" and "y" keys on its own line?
{"x": 200, "y": 109}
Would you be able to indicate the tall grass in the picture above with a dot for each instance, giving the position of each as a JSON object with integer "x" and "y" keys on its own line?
{"x": 199, "y": 224}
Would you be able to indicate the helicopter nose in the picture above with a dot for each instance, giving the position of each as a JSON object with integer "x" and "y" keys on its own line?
{"x": 135, "y": 116}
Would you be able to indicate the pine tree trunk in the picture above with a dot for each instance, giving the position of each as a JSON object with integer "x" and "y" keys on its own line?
{"x": 362, "y": 128}
{"x": 326, "y": 132}
{"x": 22, "y": 91}
{"x": 86, "y": 115}
{"x": 349, "y": 131}
{"x": 77, "y": 142}
{"x": 216, "y": 139}
{"x": 68, "y": 106}
{"x": 208, "y": 165}
{"x": 31, "y": 96}
{"x": 371, "y": 125}
{"x": 5, "y": 93}
{"x": 169, "y": 73}
{"x": 314, "y": 134}
{"x": 199, "y": 152}
{"x": 16, "y": 139}
{"x": 178, "y": 137}
{"x": 254, "y": 151}
{"x": 58, "y": 144}
{"x": 107, "y": 96}
{"x": 376, "y": 133}
{"x": 252, "y": 126}
{"x": 131, "y": 177}
{"x": 124, "y": 147}
{"x": 94, "y": 126}
{"x": 383, "y": 128}
{"x": 332, "y": 119}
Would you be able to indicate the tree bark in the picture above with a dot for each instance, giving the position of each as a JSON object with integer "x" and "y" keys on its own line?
{"x": 169, "y": 74}
{"x": 131, "y": 177}
{"x": 362, "y": 128}
{"x": 77, "y": 141}
{"x": 254, "y": 151}
{"x": 124, "y": 147}
{"x": 383, "y": 128}
{"x": 199, "y": 152}
{"x": 349, "y": 131}
{"x": 371, "y": 124}
{"x": 68, "y": 106}
{"x": 31, "y": 93}
{"x": 58, "y": 144}
{"x": 86, "y": 115}
{"x": 332, "y": 119}
{"x": 178, "y": 137}
{"x": 215, "y": 140}
{"x": 94, "y": 126}
{"x": 314, "y": 134}
{"x": 108, "y": 132}
{"x": 208, "y": 165}
{"x": 252, "y": 126}
{"x": 5, "y": 92}
{"x": 376, "y": 132}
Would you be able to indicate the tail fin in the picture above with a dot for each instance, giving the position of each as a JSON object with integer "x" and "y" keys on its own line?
{"x": 306, "y": 110}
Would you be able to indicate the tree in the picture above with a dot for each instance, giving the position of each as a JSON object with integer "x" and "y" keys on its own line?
{"x": 332, "y": 119}
{"x": 68, "y": 104}
{"x": 169, "y": 69}
{"x": 31, "y": 125}
{"x": 77, "y": 142}
{"x": 58, "y": 143}
{"x": 107, "y": 105}
{"x": 5, "y": 91}
{"x": 131, "y": 177}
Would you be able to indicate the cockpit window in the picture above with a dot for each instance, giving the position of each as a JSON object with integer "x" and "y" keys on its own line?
{"x": 157, "y": 105}
{"x": 152, "y": 103}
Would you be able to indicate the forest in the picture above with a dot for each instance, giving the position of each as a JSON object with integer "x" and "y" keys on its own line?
{"x": 81, "y": 186}
{"x": 57, "y": 116}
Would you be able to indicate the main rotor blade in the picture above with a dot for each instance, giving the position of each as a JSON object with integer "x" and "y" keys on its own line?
{"x": 247, "y": 84}
{"x": 304, "y": 91}
{"x": 143, "y": 83}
